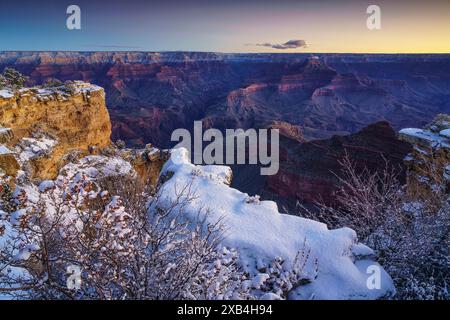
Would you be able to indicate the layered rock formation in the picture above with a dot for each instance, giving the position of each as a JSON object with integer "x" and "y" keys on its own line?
{"x": 149, "y": 94}
{"x": 46, "y": 124}
{"x": 429, "y": 162}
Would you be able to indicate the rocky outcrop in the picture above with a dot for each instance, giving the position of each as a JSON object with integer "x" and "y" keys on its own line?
{"x": 45, "y": 129}
{"x": 147, "y": 162}
{"x": 287, "y": 130}
{"x": 8, "y": 163}
{"x": 40, "y": 126}
{"x": 429, "y": 162}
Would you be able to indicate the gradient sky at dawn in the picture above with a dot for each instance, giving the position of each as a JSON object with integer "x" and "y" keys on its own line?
{"x": 226, "y": 26}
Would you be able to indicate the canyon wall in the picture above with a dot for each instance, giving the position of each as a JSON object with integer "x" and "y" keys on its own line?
{"x": 43, "y": 125}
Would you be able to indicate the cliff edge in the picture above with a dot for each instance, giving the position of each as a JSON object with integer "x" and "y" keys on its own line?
{"x": 429, "y": 162}
{"x": 39, "y": 126}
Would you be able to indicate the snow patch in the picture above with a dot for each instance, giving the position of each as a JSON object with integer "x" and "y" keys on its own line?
{"x": 7, "y": 94}
{"x": 25, "y": 253}
{"x": 97, "y": 167}
{"x": 30, "y": 148}
{"x": 16, "y": 217}
{"x": 46, "y": 185}
{"x": 431, "y": 139}
{"x": 445, "y": 133}
{"x": 4, "y": 150}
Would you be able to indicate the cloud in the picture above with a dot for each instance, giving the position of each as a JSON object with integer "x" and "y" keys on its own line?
{"x": 291, "y": 44}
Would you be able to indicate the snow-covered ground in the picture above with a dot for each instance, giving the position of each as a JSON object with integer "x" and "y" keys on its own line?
{"x": 96, "y": 167}
{"x": 4, "y": 150}
{"x": 261, "y": 233}
{"x": 339, "y": 267}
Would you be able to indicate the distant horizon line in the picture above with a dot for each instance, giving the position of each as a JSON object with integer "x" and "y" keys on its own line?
{"x": 221, "y": 52}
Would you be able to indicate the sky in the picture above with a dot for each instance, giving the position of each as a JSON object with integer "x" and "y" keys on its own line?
{"x": 407, "y": 26}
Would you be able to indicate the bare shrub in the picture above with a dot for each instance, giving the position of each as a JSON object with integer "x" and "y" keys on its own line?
{"x": 120, "y": 144}
{"x": 283, "y": 279}
{"x": 117, "y": 238}
{"x": 3, "y": 82}
{"x": 409, "y": 233}
{"x": 123, "y": 249}
{"x": 364, "y": 200}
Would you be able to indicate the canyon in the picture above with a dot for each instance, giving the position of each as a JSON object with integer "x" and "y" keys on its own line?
{"x": 322, "y": 104}
{"x": 149, "y": 94}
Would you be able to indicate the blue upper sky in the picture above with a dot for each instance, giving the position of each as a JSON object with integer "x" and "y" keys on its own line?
{"x": 228, "y": 26}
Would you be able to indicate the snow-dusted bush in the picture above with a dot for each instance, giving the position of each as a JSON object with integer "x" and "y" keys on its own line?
{"x": 280, "y": 279}
{"x": 69, "y": 87}
{"x": 52, "y": 83}
{"x": 113, "y": 238}
{"x": 409, "y": 234}
{"x": 417, "y": 254}
{"x": 12, "y": 79}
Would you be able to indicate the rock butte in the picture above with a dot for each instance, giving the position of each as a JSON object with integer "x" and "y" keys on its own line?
{"x": 41, "y": 127}
{"x": 78, "y": 120}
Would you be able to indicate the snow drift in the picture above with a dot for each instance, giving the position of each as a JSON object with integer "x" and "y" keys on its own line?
{"x": 261, "y": 233}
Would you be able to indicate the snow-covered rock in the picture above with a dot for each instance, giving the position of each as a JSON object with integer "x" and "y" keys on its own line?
{"x": 426, "y": 138}
{"x": 30, "y": 148}
{"x": 46, "y": 185}
{"x": 49, "y": 122}
{"x": 96, "y": 167}
{"x": 6, "y": 94}
{"x": 261, "y": 233}
{"x": 430, "y": 156}
{"x": 445, "y": 133}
